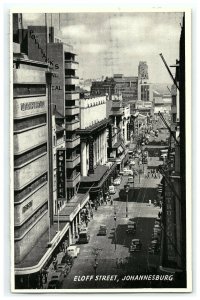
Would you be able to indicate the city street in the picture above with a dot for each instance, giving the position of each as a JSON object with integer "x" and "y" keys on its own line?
{"x": 114, "y": 258}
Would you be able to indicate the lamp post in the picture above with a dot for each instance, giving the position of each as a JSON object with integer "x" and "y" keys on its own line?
{"x": 126, "y": 187}
{"x": 115, "y": 219}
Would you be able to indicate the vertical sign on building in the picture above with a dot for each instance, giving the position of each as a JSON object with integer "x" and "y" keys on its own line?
{"x": 61, "y": 173}
{"x": 170, "y": 227}
{"x": 128, "y": 132}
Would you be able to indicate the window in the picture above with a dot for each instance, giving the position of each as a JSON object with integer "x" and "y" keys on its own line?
{"x": 29, "y": 122}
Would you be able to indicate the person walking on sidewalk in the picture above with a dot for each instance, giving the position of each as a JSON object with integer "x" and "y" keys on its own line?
{"x": 91, "y": 214}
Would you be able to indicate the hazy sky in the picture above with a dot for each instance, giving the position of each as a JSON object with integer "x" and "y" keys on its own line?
{"x": 108, "y": 43}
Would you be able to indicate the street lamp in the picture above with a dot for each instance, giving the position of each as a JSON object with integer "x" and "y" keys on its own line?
{"x": 115, "y": 219}
{"x": 126, "y": 188}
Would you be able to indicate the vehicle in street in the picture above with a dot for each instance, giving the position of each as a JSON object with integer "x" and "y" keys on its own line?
{"x": 84, "y": 236}
{"x": 117, "y": 181}
{"x": 154, "y": 247}
{"x": 127, "y": 172}
{"x": 130, "y": 179}
{"x": 132, "y": 162}
{"x": 63, "y": 268}
{"x": 102, "y": 230}
{"x": 136, "y": 245}
{"x": 54, "y": 284}
{"x": 73, "y": 251}
{"x": 131, "y": 227}
{"x": 112, "y": 189}
{"x": 56, "y": 280}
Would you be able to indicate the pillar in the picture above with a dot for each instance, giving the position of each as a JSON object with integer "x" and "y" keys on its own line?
{"x": 83, "y": 159}
{"x": 70, "y": 236}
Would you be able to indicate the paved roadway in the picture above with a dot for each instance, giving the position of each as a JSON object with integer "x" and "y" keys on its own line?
{"x": 108, "y": 252}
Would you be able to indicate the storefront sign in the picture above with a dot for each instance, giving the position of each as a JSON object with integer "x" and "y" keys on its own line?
{"x": 170, "y": 226}
{"x": 61, "y": 174}
{"x": 32, "y": 105}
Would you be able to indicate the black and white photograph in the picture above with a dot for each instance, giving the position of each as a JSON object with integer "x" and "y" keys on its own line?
{"x": 100, "y": 151}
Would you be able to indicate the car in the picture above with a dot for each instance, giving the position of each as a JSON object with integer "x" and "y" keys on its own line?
{"x": 130, "y": 179}
{"x": 117, "y": 181}
{"x": 73, "y": 251}
{"x": 132, "y": 162}
{"x": 131, "y": 227}
{"x": 64, "y": 268}
{"x": 102, "y": 230}
{"x": 136, "y": 245}
{"x": 112, "y": 189}
{"x": 84, "y": 236}
{"x": 58, "y": 275}
{"x": 54, "y": 284}
{"x": 127, "y": 172}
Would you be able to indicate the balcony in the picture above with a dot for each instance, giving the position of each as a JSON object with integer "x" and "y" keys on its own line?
{"x": 70, "y": 79}
{"x": 29, "y": 139}
{"x": 70, "y": 64}
{"x": 24, "y": 76}
{"x": 71, "y": 95}
{"x": 28, "y": 173}
{"x": 73, "y": 180}
{"x": 72, "y": 143}
{"x": 71, "y": 111}
{"x": 71, "y": 126}
{"x": 73, "y": 162}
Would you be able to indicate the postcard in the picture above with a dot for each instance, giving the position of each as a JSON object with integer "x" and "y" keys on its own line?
{"x": 100, "y": 159}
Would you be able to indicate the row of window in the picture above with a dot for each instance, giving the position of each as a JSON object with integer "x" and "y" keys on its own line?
{"x": 20, "y": 230}
{"x": 19, "y": 195}
{"x": 29, "y": 155}
{"x": 29, "y": 89}
{"x": 29, "y": 122}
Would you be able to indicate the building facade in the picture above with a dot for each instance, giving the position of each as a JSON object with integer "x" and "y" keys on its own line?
{"x": 30, "y": 101}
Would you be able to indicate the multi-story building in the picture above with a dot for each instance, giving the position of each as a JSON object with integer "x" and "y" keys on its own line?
{"x": 144, "y": 86}
{"x": 95, "y": 173}
{"x": 173, "y": 251}
{"x": 118, "y": 130}
{"x": 42, "y": 221}
{"x": 62, "y": 58}
{"x": 30, "y": 152}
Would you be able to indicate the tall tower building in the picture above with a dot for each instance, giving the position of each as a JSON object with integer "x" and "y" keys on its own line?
{"x": 144, "y": 86}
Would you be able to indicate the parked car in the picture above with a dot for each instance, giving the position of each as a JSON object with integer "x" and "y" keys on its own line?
{"x": 130, "y": 179}
{"x": 64, "y": 268}
{"x": 136, "y": 245}
{"x": 131, "y": 227}
{"x": 117, "y": 181}
{"x": 127, "y": 172}
{"x": 112, "y": 189}
{"x": 84, "y": 236}
{"x": 54, "y": 284}
{"x": 102, "y": 230}
{"x": 73, "y": 251}
{"x": 56, "y": 280}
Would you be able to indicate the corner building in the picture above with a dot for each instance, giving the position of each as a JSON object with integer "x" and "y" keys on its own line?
{"x": 30, "y": 152}
{"x": 43, "y": 43}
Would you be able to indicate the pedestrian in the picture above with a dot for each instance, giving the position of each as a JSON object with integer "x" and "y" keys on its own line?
{"x": 111, "y": 202}
{"x": 91, "y": 214}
